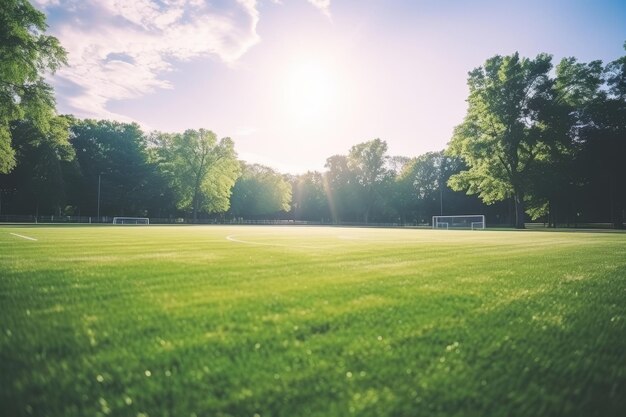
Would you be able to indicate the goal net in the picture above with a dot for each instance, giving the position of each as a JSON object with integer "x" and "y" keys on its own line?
{"x": 468, "y": 221}
{"x": 131, "y": 220}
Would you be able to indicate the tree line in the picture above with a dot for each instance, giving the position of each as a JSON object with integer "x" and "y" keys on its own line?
{"x": 538, "y": 142}
{"x": 552, "y": 139}
{"x": 89, "y": 167}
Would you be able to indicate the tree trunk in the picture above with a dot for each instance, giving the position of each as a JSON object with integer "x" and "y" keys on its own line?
{"x": 195, "y": 201}
{"x": 553, "y": 215}
{"x": 550, "y": 213}
{"x": 519, "y": 211}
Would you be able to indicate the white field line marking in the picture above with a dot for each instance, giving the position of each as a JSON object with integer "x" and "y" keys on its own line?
{"x": 233, "y": 239}
{"x": 22, "y": 236}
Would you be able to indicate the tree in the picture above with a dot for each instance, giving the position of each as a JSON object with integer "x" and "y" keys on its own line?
{"x": 420, "y": 184}
{"x": 404, "y": 199}
{"x": 38, "y": 179}
{"x": 114, "y": 154}
{"x": 396, "y": 164}
{"x": 422, "y": 189}
{"x": 615, "y": 133}
{"x": 25, "y": 55}
{"x": 340, "y": 186}
{"x": 260, "y": 191}
{"x": 565, "y": 111}
{"x": 309, "y": 197}
{"x": 368, "y": 161}
{"x": 499, "y": 139}
{"x": 201, "y": 169}
{"x": 604, "y": 142}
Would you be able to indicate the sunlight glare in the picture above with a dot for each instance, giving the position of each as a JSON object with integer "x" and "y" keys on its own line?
{"x": 310, "y": 92}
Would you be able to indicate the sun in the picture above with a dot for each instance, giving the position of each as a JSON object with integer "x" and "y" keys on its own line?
{"x": 310, "y": 92}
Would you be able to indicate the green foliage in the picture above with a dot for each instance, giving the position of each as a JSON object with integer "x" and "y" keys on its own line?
{"x": 367, "y": 183}
{"x": 7, "y": 153}
{"x": 117, "y": 153}
{"x": 368, "y": 163}
{"x": 221, "y": 176}
{"x": 603, "y": 140}
{"x": 341, "y": 190}
{"x": 38, "y": 177}
{"x": 260, "y": 191}
{"x": 615, "y": 74}
{"x": 201, "y": 169}
{"x": 424, "y": 175}
{"x": 576, "y": 83}
{"x": 524, "y": 126}
{"x": 27, "y": 54}
{"x": 574, "y": 88}
{"x": 421, "y": 183}
{"x": 179, "y": 321}
{"x": 500, "y": 137}
{"x": 310, "y": 201}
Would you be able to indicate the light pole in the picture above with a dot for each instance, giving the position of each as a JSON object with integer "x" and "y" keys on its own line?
{"x": 99, "y": 175}
{"x": 440, "y": 198}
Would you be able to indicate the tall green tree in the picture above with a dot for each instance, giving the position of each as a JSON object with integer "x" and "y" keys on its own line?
{"x": 574, "y": 90}
{"x": 368, "y": 162}
{"x": 309, "y": 197}
{"x": 114, "y": 154}
{"x": 260, "y": 191}
{"x": 201, "y": 169}
{"x": 422, "y": 189}
{"x": 341, "y": 188}
{"x": 420, "y": 183}
{"x": 604, "y": 142}
{"x": 26, "y": 54}
{"x": 500, "y": 137}
{"x": 38, "y": 180}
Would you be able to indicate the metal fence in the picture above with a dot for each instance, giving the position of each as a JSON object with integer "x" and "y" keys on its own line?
{"x": 181, "y": 220}
{"x": 13, "y": 218}
{"x": 51, "y": 219}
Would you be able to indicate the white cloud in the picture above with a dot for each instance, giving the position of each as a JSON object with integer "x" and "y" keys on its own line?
{"x": 119, "y": 49}
{"x": 323, "y": 5}
{"x": 45, "y": 3}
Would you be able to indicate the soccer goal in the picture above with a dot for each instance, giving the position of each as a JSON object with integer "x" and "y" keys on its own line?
{"x": 131, "y": 220}
{"x": 468, "y": 221}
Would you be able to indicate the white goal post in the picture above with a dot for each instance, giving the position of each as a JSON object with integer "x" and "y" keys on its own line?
{"x": 131, "y": 220}
{"x": 465, "y": 221}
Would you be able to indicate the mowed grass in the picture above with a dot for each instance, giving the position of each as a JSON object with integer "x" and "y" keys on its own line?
{"x": 310, "y": 321}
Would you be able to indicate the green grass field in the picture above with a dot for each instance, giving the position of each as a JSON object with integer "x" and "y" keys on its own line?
{"x": 187, "y": 321}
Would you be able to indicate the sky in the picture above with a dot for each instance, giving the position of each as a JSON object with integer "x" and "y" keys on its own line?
{"x": 293, "y": 82}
